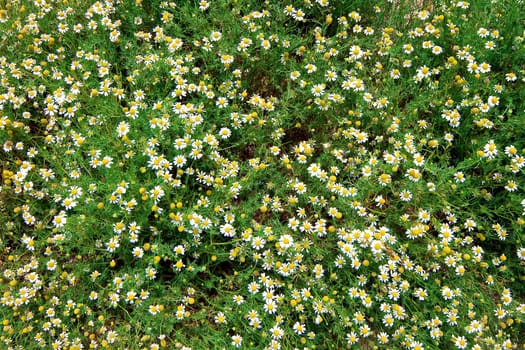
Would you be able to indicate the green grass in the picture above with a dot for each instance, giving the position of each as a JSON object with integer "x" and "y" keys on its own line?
{"x": 262, "y": 175}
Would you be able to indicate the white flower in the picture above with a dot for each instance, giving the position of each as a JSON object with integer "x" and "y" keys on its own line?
{"x": 224, "y": 133}
{"x": 179, "y": 161}
{"x": 459, "y": 177}
{"x": 521, "y": 253}
{"x": 405, "y": 195}
{"x": 294, "y": 75}
{"x": 270, "y": 307}
{"x": 138, "y": 252}
{"x": 286, "y": 241}
{"x": 215, "y": 36}
{"x": 60, "y": 219}
{"x": 299, "y": 328}
{"x": 220, "y": 318}
{"x": 511, "y": 186}
{"x": 236, "y": 340}
{"x": 490, "y": 150}
{"x": 461, "y": 342}
{"x": 227, "y": 230}
{"x": 51, "y": 265}
{"x": 111, "y": 337}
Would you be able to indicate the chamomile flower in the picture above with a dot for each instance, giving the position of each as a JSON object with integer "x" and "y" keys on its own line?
{"x": 511, "y": 186}
{"x": 521, "y": 253}
{"x": 405, "y": 196}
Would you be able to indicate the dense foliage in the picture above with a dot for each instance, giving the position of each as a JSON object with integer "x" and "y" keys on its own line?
{"x": 292, "y": 174}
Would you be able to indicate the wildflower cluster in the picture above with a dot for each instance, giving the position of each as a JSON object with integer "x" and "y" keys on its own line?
{"x": 262, "y": 175}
